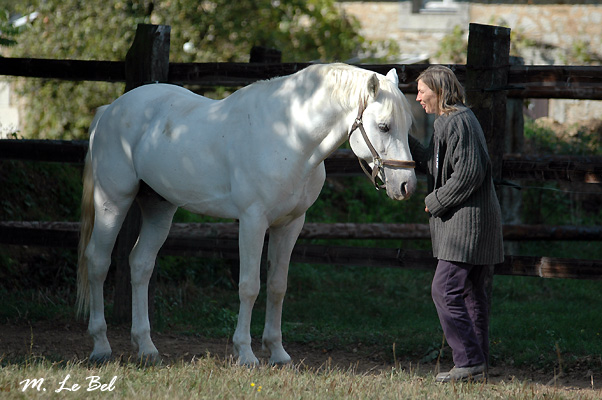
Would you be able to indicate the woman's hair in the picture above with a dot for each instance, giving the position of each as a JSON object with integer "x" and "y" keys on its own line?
{"x": 446, "y": 86}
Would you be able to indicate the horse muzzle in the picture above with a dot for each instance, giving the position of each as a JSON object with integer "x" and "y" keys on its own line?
{"x": 401, "y": 189}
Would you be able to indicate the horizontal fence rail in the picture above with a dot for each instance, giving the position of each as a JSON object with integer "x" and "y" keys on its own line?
{"x": 342, "y": 162}
{"x": 574, "y": 82}
{"x": 65, "y": 234}
{"x": 220, "y": 240}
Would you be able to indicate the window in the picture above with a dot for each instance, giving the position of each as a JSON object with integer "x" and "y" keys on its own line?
{"x": 434, "y": 6}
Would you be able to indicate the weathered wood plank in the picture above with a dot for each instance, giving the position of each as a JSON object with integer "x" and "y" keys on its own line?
{"x": 65, "y": 234}
{"x": 220, "y": 241}
{"x": 70, "y": 70}
{"x": 549, "y": 81}
{"x": 66, "y": 151}
{"x": 587, "y": 169}
{"x": 529, "y": 81}
{"x": 549, "y": 267}
{"x": 342, "y": 162}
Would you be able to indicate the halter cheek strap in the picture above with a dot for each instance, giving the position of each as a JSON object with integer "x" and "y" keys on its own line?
{"x": 378, "y": 162}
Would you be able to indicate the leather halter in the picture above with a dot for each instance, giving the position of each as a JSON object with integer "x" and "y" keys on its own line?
{"x": 379, "y": 163}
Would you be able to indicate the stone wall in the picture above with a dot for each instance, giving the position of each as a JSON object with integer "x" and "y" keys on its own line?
{"x": 556, "y": 30}
{"x": 9, "y": 114}
{"x": 417, "y": 34}
{"x": 543, "y": 33}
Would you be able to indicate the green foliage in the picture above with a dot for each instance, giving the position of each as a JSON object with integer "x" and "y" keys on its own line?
{"x": 72, "y": 29}
{"x": 576, "y": 140}
{"x": 557, "y": 203}
{"x": 355, "y": 199}
{"x": 225, "y": 31}
{"x": 213, "y": 31}
{"x": 581, "y": 53}
{"x": 452, "y": 48}
{"x": 8, "y": 32}
{"x": 39, "y": 191}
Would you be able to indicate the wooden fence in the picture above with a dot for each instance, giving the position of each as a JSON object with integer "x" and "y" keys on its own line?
{"x": 495, "y": 80}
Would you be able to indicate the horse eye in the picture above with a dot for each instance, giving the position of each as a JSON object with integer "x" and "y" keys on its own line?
{"x": 383, "y": 127}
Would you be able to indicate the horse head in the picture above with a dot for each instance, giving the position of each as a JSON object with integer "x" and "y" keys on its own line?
{"x": 379, "y": 135}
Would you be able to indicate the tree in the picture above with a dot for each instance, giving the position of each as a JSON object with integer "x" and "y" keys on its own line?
{"x": 8, "y": 32}
{"x": 202, "y": 31}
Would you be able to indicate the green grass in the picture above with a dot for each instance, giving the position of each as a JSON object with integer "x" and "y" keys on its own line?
{"x": 535, "y": 323}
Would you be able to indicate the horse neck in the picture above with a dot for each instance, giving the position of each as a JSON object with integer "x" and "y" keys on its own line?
{"x": 318, "y": 123}
{"x": 325, "y": 138}
{"x": 325, "y": 124}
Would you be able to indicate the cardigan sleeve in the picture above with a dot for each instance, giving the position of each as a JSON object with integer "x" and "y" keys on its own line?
{"x": 467, "y": 160}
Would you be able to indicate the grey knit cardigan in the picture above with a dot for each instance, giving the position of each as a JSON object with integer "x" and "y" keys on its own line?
{"x": 465, "y": 216}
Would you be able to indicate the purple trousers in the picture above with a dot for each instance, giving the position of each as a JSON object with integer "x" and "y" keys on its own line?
{"x": 460, "y": 297}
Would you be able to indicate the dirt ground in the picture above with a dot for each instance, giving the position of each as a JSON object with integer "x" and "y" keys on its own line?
{"x": 71, "y": 342}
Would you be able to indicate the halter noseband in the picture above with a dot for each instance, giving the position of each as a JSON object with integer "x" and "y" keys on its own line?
{"x": 378, "y": 162}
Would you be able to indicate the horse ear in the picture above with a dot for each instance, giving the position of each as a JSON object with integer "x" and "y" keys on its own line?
{"x": 392, "y": 76}
{"x": 373, "y": 86}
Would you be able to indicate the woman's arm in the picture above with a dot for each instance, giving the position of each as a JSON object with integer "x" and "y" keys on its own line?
{"x": 469, "y": 162}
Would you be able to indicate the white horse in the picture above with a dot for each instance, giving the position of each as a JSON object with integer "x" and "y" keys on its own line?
{"x": 256, "y": 156}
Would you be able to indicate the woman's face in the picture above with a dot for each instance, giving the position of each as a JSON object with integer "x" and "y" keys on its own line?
{"x": 427, "y": 99}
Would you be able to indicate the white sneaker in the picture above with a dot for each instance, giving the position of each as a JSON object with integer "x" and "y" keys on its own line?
{"x": 476, "y": 373}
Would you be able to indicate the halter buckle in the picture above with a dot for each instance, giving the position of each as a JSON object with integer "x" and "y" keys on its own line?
{"x": 378, "y": 163}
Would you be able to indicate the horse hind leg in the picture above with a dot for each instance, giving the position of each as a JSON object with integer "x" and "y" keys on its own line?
{"x": 109, "y": 216}
{"x": 157, "y": 215}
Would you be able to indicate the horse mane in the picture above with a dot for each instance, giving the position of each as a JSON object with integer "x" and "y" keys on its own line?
{"x": 346, "y": 88}
{"x": 341, "y": 78}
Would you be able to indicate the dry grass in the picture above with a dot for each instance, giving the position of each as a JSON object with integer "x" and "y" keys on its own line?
{"x": 210, "y": 378}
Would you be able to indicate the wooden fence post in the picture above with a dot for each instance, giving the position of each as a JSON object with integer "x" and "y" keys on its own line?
{"x": 147, "y": 61}
{"x": 487, "y": 66}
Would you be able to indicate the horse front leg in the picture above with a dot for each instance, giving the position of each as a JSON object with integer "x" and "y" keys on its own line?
{"x": 250, "y": 243}
{"x": 282, "y": 241}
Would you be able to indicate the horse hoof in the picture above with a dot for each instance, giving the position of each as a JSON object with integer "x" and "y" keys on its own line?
{"x": 149, "y": 360}
{"x": 280, "y": 362}
{"x": 99, "y": 359}
{"x": 279, "y": 356}
{"x": 249, "y": 363}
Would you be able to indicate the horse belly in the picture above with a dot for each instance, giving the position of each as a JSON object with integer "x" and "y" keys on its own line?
{"x": 186, "y": 180}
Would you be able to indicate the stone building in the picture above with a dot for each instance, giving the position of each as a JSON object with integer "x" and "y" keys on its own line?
{"x": 9, "y": 113}
{"x": 548, "y": 32}
{"x": 544, "y": 32}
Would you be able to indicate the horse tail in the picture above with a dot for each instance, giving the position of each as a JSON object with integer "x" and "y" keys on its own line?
{"x": 86, "y": 226}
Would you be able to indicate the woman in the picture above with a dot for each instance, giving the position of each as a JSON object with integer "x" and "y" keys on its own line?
{"x": 464, "y": 218}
